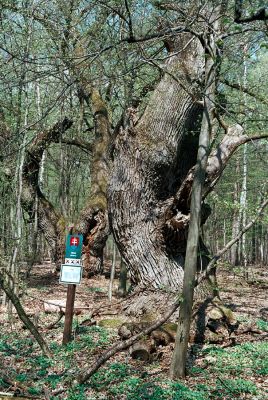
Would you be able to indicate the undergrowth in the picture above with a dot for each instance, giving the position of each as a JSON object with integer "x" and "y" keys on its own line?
{"x": 227, "y": 374}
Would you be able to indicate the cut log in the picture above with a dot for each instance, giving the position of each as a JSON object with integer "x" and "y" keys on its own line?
{"x": 142, "y": 350}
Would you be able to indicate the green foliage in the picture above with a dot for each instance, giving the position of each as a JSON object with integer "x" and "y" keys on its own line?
{"x": 248, "y": 358}
{"x": 34, "y": 391}
{"x": 11, "y": 344}
{"x": 77, "y": 393}
{"x": 21, "y": 377}
{"x": 40, "y": 369}
{"x": 53, "y": 380}
{"x": 230, "y": 388}
{"x": 3, "y": 384}
{"x": 104, "y": 377}
{"x": 122, "y": 381}
{"x": 263, "y": 325}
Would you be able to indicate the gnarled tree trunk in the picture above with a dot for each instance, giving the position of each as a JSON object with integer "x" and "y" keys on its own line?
{"x": 151, "y": 160}
{"x": 151, "y": 181}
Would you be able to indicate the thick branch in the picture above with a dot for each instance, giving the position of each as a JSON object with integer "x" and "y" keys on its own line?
{"x": 217, "y": 162}
{"x": 220, "y": 157}
{"x": 48, "y": 218}
{"x": 44, "y": 139}
{"x": 82, "y": 144}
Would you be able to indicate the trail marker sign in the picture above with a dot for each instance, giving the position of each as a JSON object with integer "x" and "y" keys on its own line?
{"x": 73, "y": 250}
{"x": 71, "y": 273}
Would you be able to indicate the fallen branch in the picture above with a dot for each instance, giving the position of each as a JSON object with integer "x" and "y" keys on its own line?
{"x": 4, "y": 284}
{"x": 51, "y": 326}
{"x": 122, "y": 345}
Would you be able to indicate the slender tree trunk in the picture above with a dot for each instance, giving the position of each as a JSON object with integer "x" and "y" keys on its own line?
{"x": 243, "y": 204}
{"x": 235, "y": 219}
{"x": 243, "y": 195}
{"x": 8, "y": 289}
{"x": 110, "y": 289}
{"x": 17, "y": 233}
{"x": 178, "y": 362}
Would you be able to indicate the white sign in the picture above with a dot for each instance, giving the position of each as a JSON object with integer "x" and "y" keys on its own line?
{"x": 70, "y": 274}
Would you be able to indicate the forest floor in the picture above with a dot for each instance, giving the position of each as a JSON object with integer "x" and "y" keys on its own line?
{"x": 234, "y": 369}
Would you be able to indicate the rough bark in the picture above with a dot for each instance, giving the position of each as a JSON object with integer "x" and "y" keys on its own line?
{"x": 93, "y": 221}
{"x": 150, "y": 161}
{"x": 154, "y": 163}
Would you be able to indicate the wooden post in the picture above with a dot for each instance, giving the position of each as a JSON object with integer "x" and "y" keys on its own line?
{"x": 69, "y": 312}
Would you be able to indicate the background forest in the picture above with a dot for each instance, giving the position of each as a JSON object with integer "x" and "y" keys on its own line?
{"x": 80, "y": 82}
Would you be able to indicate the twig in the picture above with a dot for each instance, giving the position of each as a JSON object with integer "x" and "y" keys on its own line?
{"x": 50, "y": 326}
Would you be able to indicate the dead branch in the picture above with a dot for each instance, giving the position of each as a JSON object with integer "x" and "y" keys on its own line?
{"x": 123, "y": 345}
{"x": 51, "y": 326}
{"x": 4, "y": 284}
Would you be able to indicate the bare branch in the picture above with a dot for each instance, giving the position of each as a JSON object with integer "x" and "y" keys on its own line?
{"x": 87, "y": 146}
{"x": 131, "y": 33}
{"x": 212, "y": 263}
{"x": 245, "y": 90}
